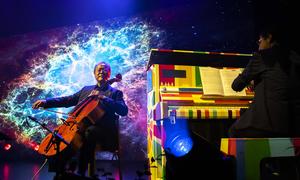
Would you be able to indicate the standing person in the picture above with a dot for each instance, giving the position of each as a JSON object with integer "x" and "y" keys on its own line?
{"x": 105, "y": 130}
{"x": 267, "y": 115}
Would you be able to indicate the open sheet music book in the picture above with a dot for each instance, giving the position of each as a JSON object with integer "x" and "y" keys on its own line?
{"x": 217, "y": 82}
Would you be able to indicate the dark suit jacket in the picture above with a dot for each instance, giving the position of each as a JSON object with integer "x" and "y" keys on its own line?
{"x": 269, "y": 109}
{"x": 113, "y": 106}
{"x": 294, "y": 93}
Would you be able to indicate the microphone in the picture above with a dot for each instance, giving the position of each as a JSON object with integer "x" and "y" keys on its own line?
{"x": 54, "y": 133}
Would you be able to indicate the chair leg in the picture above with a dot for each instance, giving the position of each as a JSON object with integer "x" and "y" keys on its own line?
{"x": 92, "y": 166}
{"x": 119, "y": 164}
{"x": 116, "y": 156}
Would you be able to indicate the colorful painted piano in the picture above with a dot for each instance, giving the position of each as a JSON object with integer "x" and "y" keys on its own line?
{"x": 174, "y": 87}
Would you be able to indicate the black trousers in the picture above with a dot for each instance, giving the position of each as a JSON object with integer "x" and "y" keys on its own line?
{"x": 94, "y": 135}
{"x": 252, "y": 133}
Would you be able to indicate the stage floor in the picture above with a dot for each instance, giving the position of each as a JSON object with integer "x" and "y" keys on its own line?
{"x": 25, "y": 170}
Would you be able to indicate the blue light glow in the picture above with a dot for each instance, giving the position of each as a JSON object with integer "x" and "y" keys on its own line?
{"x": 180, "y": 145}
{"x": 178, "y": 141}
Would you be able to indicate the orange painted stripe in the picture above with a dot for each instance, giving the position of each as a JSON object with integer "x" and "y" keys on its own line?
{"x": 231, "y": 102}
{"x": 232, "y": 146}
{"x": 237, "y": 113}
{"x": 206, "y": 114}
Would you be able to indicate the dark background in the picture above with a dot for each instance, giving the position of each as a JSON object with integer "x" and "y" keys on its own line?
{"x": 19, "y": 17}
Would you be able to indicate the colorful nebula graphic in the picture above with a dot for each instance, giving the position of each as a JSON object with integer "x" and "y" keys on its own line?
{"x": 62, "y": 62}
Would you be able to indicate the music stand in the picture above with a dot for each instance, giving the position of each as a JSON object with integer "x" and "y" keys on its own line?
{"x": 56, "y": 138}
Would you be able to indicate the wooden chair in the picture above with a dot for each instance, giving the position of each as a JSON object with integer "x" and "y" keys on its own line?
{"x": 115, "y": 155}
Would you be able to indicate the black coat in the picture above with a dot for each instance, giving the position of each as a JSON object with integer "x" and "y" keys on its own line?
{"x": 113, "y": 106}
{"x": 269, "y": 109}
{"x": 294, "y": 93}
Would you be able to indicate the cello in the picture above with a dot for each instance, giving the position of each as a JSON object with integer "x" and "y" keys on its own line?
{"x": 70, "y": 131}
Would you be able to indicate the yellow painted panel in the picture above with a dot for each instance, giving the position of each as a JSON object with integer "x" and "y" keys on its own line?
{"x": 224, "y": 145}
{"x": 182, "y": 113}
{"x": 185, "y": 82}
{"x": 156, "y": 82}
{"x": 223, "y": 113}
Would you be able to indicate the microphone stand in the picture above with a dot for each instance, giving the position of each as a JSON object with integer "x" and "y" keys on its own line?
{"x": 57, "y": 138}
{"x": 54, "y": 133}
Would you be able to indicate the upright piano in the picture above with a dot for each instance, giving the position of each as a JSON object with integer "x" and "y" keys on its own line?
{"x": 175, "y": 91}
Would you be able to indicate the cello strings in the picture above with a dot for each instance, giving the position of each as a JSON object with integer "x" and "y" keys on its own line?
{"x": 66, "y": 114}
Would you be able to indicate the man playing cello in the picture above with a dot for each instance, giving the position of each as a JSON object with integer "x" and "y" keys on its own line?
{"x": 103, "y": 130}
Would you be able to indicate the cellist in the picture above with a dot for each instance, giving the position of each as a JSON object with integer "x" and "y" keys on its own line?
{"x": 104, "y": 131}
